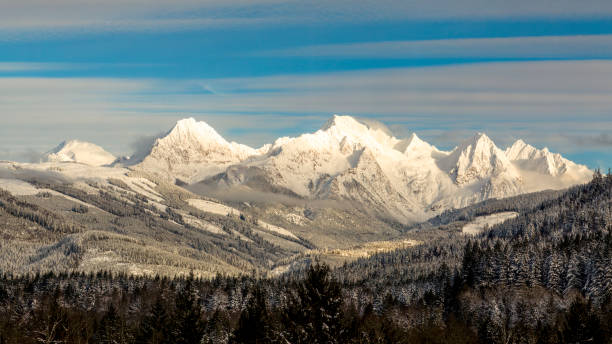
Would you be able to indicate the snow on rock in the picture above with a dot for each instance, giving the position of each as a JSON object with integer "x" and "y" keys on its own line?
{"x": 353, "y": 160}
{"x": 296, "y": 219}
{"x": 543, "y": 161}
{"x": 479, "y": 158}
{"x": 415, "y": 148}
{"x": 79, "y": 152}
{"x": 192, "y": 151}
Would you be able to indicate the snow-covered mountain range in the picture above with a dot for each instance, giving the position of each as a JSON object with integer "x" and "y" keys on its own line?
{"x": 349, "y": 160}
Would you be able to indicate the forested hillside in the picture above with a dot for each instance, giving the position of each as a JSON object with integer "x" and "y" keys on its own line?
{"x": 543, "y": 277}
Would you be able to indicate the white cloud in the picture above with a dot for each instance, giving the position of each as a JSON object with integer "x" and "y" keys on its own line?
{"x": 568, "y": 47}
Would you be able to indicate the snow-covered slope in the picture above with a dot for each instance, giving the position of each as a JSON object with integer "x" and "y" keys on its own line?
{"x": 478, "y": 166}
{"x": 79, "y": 152}
{"x": 192, "y": 151}
{"x": 543, "y": 169}
{"x": 543, "y": 161}
{"x": 478, "y": 158}
{"x": 349, "y": 160}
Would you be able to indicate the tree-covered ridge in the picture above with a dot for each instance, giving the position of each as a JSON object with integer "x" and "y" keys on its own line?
{"x": 559, "y": 244}
{"x": 563, "y": 246}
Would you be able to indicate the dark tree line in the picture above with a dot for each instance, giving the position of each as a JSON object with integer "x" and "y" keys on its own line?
{"x": 78, "y": 308}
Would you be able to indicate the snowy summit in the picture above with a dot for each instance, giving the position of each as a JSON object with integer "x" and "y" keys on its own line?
{"x": 79, "y": 152}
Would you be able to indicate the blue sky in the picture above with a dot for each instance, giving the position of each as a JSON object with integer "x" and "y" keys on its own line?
{"x": 111, "y": 72}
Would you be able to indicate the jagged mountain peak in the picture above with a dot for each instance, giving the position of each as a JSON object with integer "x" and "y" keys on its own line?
{"x": 193, "y": 150}
{"x": 544, "y": 161}
{"x": 477, "y": 158}
{"x": 414, "y": 138}
{"x": 191, "y": 133}
{"x": 343, "y": 122}
{"x": 79, "y": 152}
{"x": 190, "y": 129}
{"x": 479, "y": 146}
{"x": 361, "y": 131}
{"x": 478, "y": 140}
{"x": 414, "y": 142}
{"x": 520, "y": 150}
{"x": 414, "y": 147}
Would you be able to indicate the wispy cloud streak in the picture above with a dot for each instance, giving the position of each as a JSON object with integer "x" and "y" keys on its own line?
{"x": 566, "y": 47}
{"x": 71, "y": 16}
{"x": 15, "y": 67}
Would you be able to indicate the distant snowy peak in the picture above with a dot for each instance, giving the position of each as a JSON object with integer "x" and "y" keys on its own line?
{"x": 79, "y": 152}
{"x": 479, "y": 158}
{"x": 414, "y": 147}
{"x": 350, "y": 129}
{"x": 530, "y": 158}
{"x": 198, "y": 141}
{"x": 347, "y": 135}
{"x": 193, "y": 149}
{"x": 521, "y": 151}
{"x": 189, "y": 129}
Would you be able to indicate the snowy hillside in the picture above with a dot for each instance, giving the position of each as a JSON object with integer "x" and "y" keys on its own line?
{"x": 79, "y": 152}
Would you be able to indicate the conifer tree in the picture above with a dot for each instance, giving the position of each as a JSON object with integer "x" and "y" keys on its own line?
{"x": 313, "y": 314}
{"x": 255, "y": 325}
{"x": 155, "y": 327}
{"x": 188, "y": 328}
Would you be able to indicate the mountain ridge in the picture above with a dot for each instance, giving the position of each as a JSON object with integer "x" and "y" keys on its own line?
{"x": 407, "y": 179}
{"x": 348, "y": 159}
